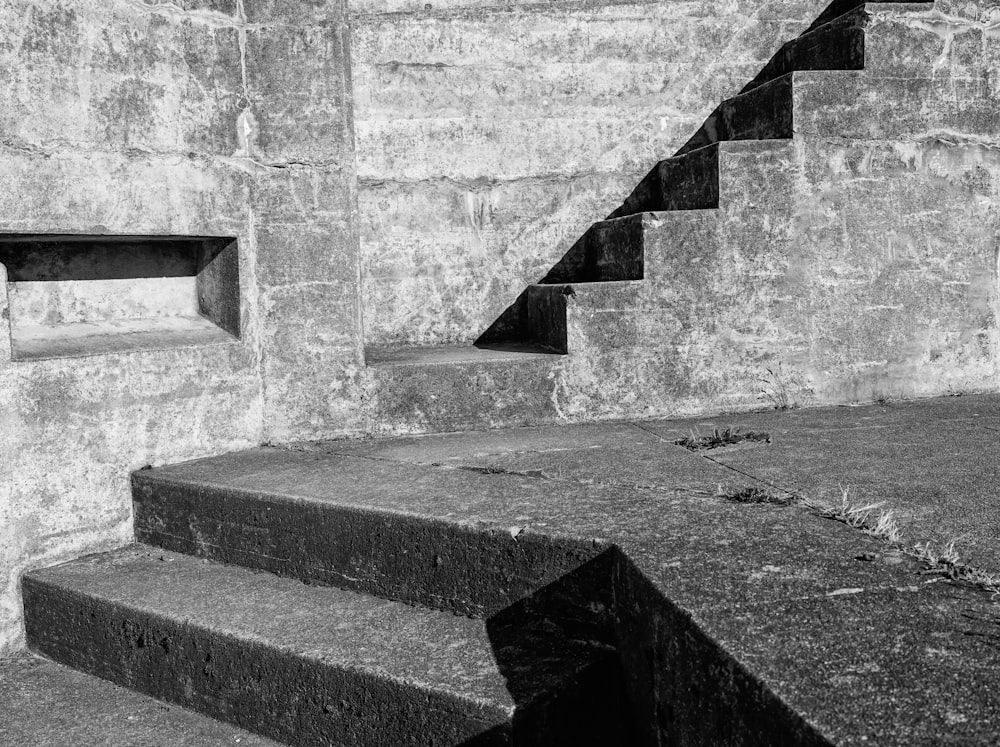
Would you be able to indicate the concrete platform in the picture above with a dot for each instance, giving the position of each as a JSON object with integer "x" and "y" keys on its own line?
{"x": 738, "y": 622}
{"x": 44, "y": 704}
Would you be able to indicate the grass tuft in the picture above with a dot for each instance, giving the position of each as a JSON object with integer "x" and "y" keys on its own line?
{"x": 943, "y": 561}
{"x": 751, "y": 494}
{"x": 717, "y": 438}
{"x": 870, "y": 518}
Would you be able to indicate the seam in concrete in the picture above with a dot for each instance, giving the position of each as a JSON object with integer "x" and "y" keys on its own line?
{"x": 482, "y": 184}
{"x": 66, "y": 149}
{"x": 714, "y": 461}
{"x": 533, "y": 8}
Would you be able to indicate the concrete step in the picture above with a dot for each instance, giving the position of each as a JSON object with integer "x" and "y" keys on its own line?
{"x": 763, "y": 113}
{"x": 459, "y": 387}
{"x": 714, "y": 592}
{"x": 45, "y": 704}
{"x": 366, "y": 526}
{"x": 608, "y": 250}
{"x": 316, "y": 665}
{"x": 877, "y": 37}
{"x": 572, "y": 317}
{"x": 686, "y": 182}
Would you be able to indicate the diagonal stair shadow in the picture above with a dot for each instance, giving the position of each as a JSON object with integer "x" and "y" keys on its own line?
{"x": 601, "y": 657}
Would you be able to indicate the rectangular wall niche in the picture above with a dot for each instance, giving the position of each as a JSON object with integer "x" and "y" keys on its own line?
{"x": 73, "y": 295}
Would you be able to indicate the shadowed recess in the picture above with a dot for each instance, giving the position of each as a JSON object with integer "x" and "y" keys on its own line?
{"x": 59, "y": 257}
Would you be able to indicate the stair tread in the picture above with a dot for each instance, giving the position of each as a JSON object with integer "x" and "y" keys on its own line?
{"x": 414, "y": 646}
{"x": 44, "y": 704}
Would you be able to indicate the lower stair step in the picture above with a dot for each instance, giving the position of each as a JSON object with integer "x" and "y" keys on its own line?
{"x": 314, "y": 665}
{"x": 45, "y": 704}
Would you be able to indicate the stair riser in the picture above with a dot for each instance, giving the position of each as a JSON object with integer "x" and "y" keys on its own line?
{"x": 880, "y": 39}
{"x": 688, "y": 182}
{"x": 438, "y": 565}
{"x": 608, "y": 251}
{"x": 276, "y": 693}
{"x": 765, "y": 113}
{"x": 839, "y": 45}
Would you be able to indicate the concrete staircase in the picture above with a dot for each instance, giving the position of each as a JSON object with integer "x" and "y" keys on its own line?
{"x": 825, "y": 222}
{"x": 331, "y": 624}
{"x": 335, "y": 599}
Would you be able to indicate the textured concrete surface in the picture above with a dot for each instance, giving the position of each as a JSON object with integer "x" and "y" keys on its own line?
{"x": 491, "y": 135}
{"x": 170, "y": 119}
{"x": 305, "y": 665}
{"x": 775, "y": 624}
{"x": 850, "y": 257}
{"x": 44, "y": 704}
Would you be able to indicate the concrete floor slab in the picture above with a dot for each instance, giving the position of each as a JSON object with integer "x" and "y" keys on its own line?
{"x": 44, "y": 704}
{"x": 843, "y": 634}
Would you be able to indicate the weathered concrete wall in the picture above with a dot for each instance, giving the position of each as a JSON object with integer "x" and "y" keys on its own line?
{"x": 491, "y": 135}
{"x": 855, "y": 261}
{"x": 204, "y": 117}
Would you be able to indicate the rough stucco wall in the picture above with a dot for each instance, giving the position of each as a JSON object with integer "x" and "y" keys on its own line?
{"x": 490, "y": 136}
{"x": 212, "y": 117}
{"x": 856, "y": 262}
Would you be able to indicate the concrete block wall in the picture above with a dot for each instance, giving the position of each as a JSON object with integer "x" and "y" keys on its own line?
{"x": 201, "y": 117}
{"x": 490, "y": 135}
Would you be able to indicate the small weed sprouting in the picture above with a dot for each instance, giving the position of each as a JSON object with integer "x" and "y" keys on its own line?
{"x": 752, "y": 494}
{"x": 777, "y": 386}
{"x": 946, "y": 562}
{"x": 881, "y": 523}
{"x": 870, "y": 518}
{"x": 718, "y": 438}
{"x": 927, "y": 553}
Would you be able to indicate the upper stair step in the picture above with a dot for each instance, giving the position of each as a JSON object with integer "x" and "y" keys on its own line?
{"x": 608, "y": 250}
{"x": 762, "y": 113}
{"x": 856, "y": 40}
{"x": 686, "y": 182}
{"x": 360, "y": 524}
{"x": 311, "y": 665}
